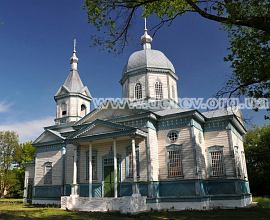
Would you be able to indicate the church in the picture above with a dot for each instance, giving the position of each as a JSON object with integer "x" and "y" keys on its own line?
{"x": 141, "y": 154}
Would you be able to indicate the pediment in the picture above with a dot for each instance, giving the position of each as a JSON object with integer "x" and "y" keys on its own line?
{"x": 106, "y": 112}
{"x": 62, "y": 91}
{"x": 48, "y": 136}
{"x": 99, "y": 127}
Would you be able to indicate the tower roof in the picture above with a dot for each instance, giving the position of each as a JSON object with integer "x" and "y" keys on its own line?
{"x": 73, "y": 83}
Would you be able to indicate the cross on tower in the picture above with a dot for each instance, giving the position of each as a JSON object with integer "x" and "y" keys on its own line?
{"x": 74, "y": 45}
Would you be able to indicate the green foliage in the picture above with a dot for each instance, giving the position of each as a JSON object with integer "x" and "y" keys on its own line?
{"x": 12, "y": 158}
{"x": 257, "y": 150}
{"x": 247, "y": 22}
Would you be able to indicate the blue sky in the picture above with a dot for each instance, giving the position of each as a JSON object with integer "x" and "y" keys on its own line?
{"x": 37, "y": 43}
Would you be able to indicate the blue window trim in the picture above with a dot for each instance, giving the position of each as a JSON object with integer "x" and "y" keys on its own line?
{"x": 44, "y": 165}
{"x": 94, "y": 152}
{"x": 215, "y": 149}
{"x": 177, "y": 132}
{"x": 129, "y": 149}
{"x": 171, "y": 148}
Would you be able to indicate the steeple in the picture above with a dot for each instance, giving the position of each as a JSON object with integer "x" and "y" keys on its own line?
{"x": 73, "y": 98}
{"x": 146, "y": 39}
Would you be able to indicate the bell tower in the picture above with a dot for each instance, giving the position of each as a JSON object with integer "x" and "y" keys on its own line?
{"x": 72, "y": 99}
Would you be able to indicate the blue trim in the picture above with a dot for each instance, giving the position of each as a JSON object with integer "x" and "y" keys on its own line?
{"x": 94, "y": 153}
{"x": 174, "y": 147}
{"x": 196, "y": 124}
{"x": 47, "y": 191}
{"x": 52, "y": 198}
{"x": 96, "y": 190}
{"x": 174, "y": 122}
{"x": 128, "y": 150}
{"x": 49, "y": 146}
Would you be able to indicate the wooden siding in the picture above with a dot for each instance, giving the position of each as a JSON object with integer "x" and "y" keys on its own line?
{"x": 220, "y": 138}
{"x": 50, "y": 156}
{"x": 187, "y": 153}
{"x": 200, "y": 151}
{"x": 154, "y": 155}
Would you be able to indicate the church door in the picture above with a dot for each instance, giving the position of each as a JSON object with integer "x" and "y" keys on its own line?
{"x": 29, "y": 191}
{"x": 108, "y": 175}
{"x": 108, "y": 181}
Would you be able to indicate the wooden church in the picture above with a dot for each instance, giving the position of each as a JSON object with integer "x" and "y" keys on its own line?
{"x": 139, "y": 155}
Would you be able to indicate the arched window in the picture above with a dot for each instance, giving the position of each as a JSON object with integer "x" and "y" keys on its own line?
{"x": 64, "y": 109}
{"x": 173, "y": 92}
{"x": 83, "y": 110}
{"x": 158, "y": 91}
{"x": 138, "y": 91}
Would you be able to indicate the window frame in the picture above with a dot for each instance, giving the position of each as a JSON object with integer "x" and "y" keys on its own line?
{"x": 94, "y": 153}
{"x": 168, "y": 136}
{"x": 45, "y": 174}
{"x": 174, "y": 147}
{"x": 128, "y": 151}
{"x": 213, "y": 149}
{"x": 136, "y": 92}
{"x": 158, "y": 89}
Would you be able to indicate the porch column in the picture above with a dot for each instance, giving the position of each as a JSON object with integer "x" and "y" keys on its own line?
{"x": 115, "y": 167}
{"x": 74, "y": 182}
{"x": 90, "y": 170}
{"x": 135, "y": 191}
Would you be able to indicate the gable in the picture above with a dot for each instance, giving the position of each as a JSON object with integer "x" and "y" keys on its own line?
{"x": 107, "y": 112}
{"x": 99, "y": 129}
{"x": 48, "y": 136}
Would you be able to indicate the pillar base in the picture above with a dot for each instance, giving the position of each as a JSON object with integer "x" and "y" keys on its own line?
{"x": 74, "y": 190}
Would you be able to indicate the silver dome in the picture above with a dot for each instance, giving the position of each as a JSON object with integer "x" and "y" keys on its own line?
{"x": 148, "y": 58}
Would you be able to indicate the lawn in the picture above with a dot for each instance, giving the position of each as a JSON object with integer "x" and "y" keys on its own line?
{"x": 15, "y": 209}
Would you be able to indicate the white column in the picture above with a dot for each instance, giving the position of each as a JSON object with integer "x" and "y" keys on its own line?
{"x": 134, "y": 165}
{"x": 90, "y": 170}
{"x": 75, "y": 166}
{"x": 115, "y": 167}
{"x": 74, "y": 189}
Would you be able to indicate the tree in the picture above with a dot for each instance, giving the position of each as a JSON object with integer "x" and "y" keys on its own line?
{"x": 8, "y": 144}
{"x": 23, "y": 153}
{"x": 247, "y": 21}
{"x": 257, "y": 151}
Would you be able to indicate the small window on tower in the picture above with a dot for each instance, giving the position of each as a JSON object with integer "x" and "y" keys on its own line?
{"x": 64, "y": 109}
{"x": 83, "y": 110}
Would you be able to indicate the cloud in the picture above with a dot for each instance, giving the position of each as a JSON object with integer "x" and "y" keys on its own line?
{"x": 4, "y": 107}
{"x": 28, "y": 130}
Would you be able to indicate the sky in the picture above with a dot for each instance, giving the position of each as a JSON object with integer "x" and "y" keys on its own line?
{"x": 37, "y": 43}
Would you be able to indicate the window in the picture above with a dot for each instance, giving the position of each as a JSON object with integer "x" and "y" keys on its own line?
{"x": 173, "y": 92}
{"x": 158, "y": 91}
{"x": 172, "y": 136}
{"x": 216, "y": 161}
{"x": 64, "y": 109}
{"x": 94, "y": 165}
{"x": 174, "y": 160}
{"x": 129, "y": 161}
{"x": 83, "y": 110}
{"x": 48, "y": 173}
{"x": 138, "y": 91}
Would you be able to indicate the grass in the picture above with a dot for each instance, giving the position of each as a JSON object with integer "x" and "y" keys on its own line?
{"x": 15, "y": 209}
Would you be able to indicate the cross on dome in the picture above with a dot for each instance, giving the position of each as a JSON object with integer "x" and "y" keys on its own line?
{"x": 146, "y": 39}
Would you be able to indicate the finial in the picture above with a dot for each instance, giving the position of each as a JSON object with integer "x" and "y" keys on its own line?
{"x": 74, "y": 50}
{"x": 145, "y": 24}
{"x": 74, "y": 59}
{"x": 146, "y": 40}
